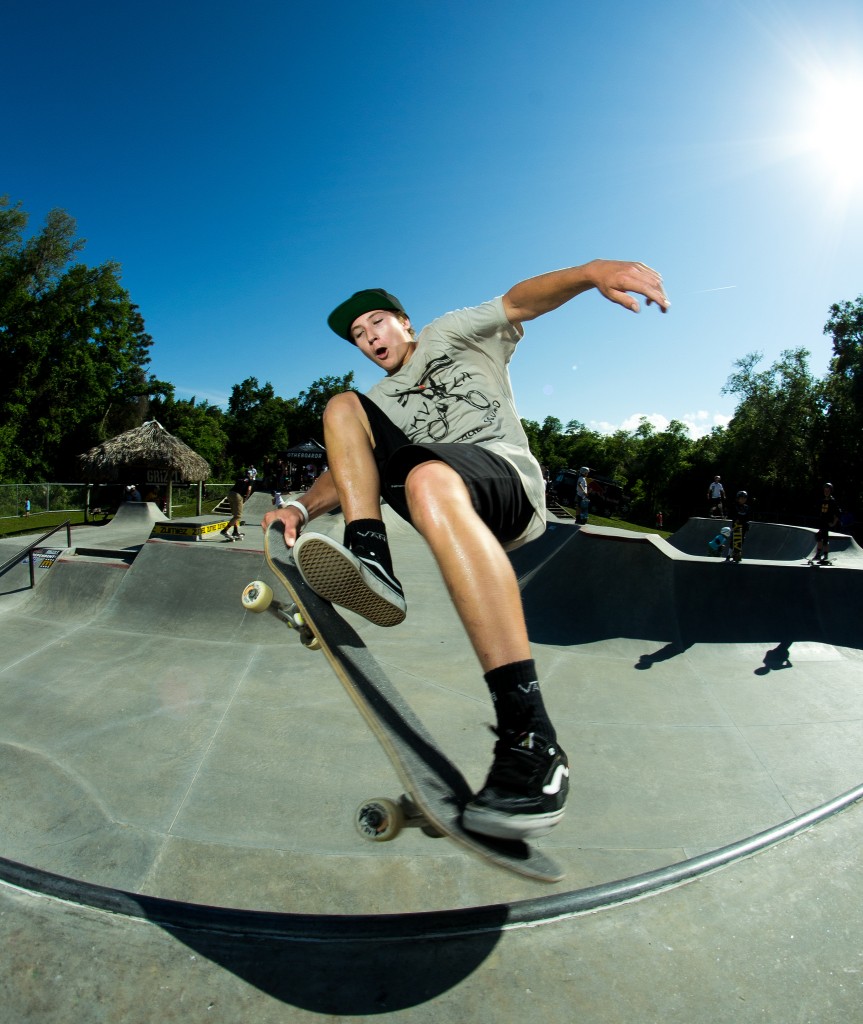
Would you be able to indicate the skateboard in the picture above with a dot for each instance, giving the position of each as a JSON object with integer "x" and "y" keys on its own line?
{"x": 737, "y": 541}
{"x": 435, "y": 790}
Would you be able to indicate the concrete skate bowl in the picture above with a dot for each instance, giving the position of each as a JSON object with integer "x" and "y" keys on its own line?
{"x": 167, "y": 753}
{"x": 597, "y": 584}
{"x": 765, "y": 541}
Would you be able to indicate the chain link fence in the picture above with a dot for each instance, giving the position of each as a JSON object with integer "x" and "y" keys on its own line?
{"x": 23, "y": 501}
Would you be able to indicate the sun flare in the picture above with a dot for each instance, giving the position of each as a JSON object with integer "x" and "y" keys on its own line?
{"x": 831, "y": 129}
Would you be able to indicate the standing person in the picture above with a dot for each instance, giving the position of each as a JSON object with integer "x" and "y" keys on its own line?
{"x": 252, "y": 474}
{"x": 716, "y": 498}
{"x": 581, "y": 494}
{"x": 26, "y": 508}
{"x": 440, "y": 438}
{"x": 828, "y": 519}
{"x": 740, "y": 517}
{"x": 237, "y": 495}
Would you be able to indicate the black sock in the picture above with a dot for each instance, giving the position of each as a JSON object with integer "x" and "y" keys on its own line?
{"x": 517, "y": 699}
{"x": 368, "y": 537}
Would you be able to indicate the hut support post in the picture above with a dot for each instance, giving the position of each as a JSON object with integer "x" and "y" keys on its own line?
{"x": 200, "y": 506}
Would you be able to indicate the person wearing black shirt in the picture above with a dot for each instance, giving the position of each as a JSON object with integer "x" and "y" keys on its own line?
{"x": 828, "y": 519}
{"x": 236, "y": 496}
{"x": 740, "y": 517}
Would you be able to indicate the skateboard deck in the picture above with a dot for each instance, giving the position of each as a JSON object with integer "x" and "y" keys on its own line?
{"x": 436, "y": 791}
{"x": 737, "y": 541}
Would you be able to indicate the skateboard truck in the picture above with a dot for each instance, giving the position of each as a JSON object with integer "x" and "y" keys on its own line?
{"x": 258, "y": 597}
{"x": 381, "y": 819}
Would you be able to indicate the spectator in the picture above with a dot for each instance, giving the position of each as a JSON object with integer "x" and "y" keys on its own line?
{"x": 582, "y": 494}
{"x": 828, "y": 519}
{"x": 236, "y": 497}
{"x": 716, "y": 499}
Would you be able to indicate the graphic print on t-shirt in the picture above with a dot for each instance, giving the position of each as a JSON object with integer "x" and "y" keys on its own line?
{"x": 445, "y": 403}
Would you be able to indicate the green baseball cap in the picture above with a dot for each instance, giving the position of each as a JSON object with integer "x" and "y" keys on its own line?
{"x": 343, "y": 316}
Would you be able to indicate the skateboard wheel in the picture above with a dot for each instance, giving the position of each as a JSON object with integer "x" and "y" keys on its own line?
{"x": 379, "y": 820}
{"x": 257, "y": 596}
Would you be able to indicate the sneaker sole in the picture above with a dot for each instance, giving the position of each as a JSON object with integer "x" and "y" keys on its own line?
{"x": 337, "y": 579}
{"x": 510, "y": 826}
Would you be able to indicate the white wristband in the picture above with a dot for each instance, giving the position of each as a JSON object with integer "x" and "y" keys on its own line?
{"x": 301, "y": 507}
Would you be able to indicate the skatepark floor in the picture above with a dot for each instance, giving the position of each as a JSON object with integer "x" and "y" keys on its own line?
{"x": 179, "y": 781}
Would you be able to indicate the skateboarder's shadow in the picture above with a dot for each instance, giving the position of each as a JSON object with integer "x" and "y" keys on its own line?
{"x": 775, "y": 659}
{"x": 666, "y": 653}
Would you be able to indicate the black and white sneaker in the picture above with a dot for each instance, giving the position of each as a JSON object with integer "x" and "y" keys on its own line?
{"x": 525, "y": 792}
{"x": 360, "y": 584}
{"x": 225, "y": 533}
{"x": 238, "y": 536}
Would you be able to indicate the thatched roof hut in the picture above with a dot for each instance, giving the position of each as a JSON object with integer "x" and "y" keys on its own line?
{"x": 146, "y": 455}
{"x": 148, "y": 451}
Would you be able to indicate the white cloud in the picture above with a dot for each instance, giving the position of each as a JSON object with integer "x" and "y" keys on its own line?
{"x": 214, "y": 398}
{"x": 697, "y": 423}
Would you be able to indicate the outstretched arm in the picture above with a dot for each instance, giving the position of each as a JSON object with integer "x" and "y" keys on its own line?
{"x": 615, "y": 279}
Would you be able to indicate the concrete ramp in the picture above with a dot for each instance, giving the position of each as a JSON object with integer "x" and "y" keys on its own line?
{"x": 773, "y": 541}
{"x": 73, "y": 592}
{"x": 604, "y": 583}
{"x": 764, "y": 541}
{"x": 193, "y": 591}
{"x": 131, "y": 513}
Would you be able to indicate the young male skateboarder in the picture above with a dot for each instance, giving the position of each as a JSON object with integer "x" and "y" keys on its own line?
{"x": 440, "y": 439}
{"x": 828, "y": 519}
{"x": 740, "y": 517}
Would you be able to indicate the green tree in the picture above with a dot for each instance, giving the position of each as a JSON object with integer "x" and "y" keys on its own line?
{"x": 663, "y": 457}
{"x": 257, "y": 423}
{"x": 73, "y": 349}
{"x": 201, "y": 426}
{"x": 841, "y": 456}
{"x": 773, "y": 439}
{"x": 308, "y": 407}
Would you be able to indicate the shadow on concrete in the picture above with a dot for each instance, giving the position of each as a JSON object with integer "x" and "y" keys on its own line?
{"x": 351, "y": 978}
{"x": 776, "y": 659}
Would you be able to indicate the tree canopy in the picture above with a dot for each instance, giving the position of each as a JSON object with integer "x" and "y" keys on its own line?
{"x": 73, "y": 345}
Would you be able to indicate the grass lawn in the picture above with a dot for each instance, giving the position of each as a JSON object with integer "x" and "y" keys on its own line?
{"x": 37, "y": 523}
{"x": 620, "y": 524}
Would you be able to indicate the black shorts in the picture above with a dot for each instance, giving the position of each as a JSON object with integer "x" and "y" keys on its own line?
{"x": 494, "y": 486}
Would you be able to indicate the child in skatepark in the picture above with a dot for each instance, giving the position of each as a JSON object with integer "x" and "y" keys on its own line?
{"x": 440, "y": 439}
{"x": 740, "y": 517}
{"x": 828, "y": 519}
{"x": 717, "y": 544}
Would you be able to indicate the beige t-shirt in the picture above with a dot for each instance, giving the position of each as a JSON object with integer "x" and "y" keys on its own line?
{"x": 456, "y": 389}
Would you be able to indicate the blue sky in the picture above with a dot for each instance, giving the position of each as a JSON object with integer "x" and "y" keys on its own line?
{"x": 250, "y": 164}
